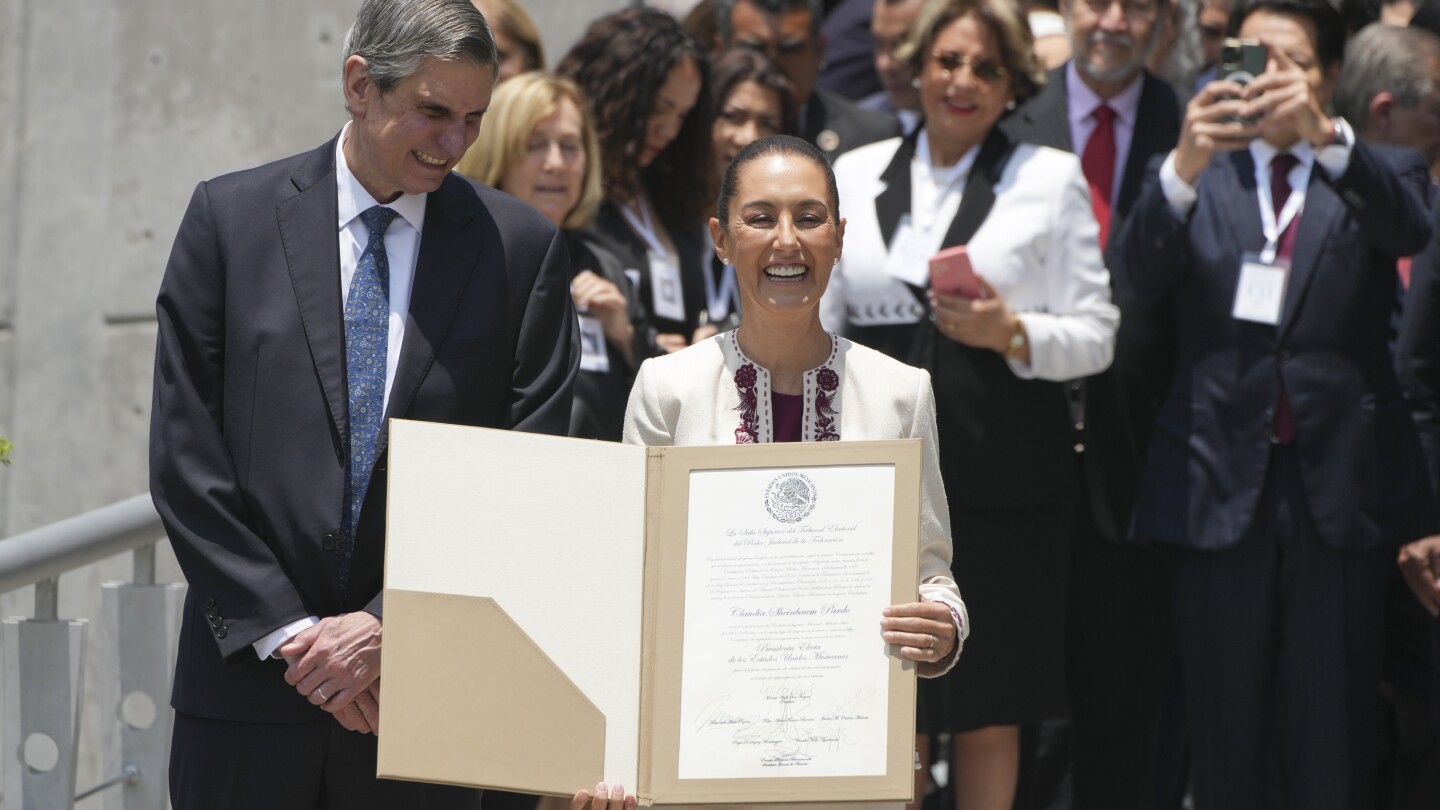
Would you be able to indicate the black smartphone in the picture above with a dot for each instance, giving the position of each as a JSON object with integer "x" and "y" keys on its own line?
{"x": 1241, "y": 61}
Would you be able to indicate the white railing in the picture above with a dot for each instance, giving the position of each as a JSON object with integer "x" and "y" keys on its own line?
{"x": 44, "y": 660}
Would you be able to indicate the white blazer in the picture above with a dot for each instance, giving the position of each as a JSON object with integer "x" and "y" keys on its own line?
{"x": 1038, "y": 247}
{"x": 692, "y": 397}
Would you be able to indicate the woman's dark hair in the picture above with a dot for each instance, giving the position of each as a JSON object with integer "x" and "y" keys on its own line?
{"x": 1329, "y": 24}
{"x": 739, "y": 65}
{"x": 774, "y": 145}
{"x": 620, "y": 64}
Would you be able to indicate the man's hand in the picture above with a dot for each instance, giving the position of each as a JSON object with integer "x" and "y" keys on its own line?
{"x": 1420, "y": 563}
{"x": 335, "y": 661}
{"x": 1212, "y": 125}
{"x": 1283, "y": 99}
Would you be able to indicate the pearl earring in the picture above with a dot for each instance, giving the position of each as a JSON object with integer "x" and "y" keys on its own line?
{"x": 1010, "y": 105}
{"x": 915, "y": 82}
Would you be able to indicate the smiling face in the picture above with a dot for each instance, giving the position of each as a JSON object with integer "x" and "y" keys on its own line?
{"x": 551, "y": 172}
{"x": 406, "y": 140}
{"x": 750, "y": 112}
{"x": 1112, "y": 38}
{"x": 782, "y": 236}
{"x": 961, "y": 107}
{"x": 673, "y": 103}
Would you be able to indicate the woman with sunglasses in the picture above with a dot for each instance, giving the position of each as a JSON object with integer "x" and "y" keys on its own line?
{"x": 999, "y": 343}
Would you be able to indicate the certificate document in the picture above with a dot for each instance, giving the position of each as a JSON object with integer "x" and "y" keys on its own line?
{"x": 738, "y": 659}
{"x": 787, "y": 571}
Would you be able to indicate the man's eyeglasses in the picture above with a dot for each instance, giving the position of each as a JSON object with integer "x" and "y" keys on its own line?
{"x": 984, "y": 69}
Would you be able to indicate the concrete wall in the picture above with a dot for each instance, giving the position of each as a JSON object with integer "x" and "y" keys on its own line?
{"x": 110, "y": 112}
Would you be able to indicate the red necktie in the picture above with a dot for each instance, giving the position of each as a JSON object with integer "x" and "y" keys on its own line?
{"x": 1280, "y": 167}
{"x": 1098, "y": 163}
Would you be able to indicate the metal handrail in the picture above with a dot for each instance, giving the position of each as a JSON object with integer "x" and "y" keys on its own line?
{"x": 50, "y": 551}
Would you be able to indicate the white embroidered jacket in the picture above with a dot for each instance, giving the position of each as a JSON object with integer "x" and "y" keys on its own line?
{"x": 711, "y": 393}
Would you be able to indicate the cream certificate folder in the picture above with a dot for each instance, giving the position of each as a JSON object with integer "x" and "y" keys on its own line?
{"x": 700, "y": 624}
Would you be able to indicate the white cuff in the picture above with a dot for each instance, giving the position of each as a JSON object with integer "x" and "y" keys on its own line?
{"x": 1179, "y": 194}
{"x": 268, "y": 645}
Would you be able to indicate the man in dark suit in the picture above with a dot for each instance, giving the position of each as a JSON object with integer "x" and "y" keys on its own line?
{"x": 1390, "y": 93}
{"x": 1104, "y": 106}
{"x": 1284, "y": 467}
{"x": 306, "y": 302}
{"x": 788, "y": 31}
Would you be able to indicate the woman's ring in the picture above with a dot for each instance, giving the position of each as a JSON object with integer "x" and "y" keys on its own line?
{"x": 325, "y": 699}
{"x": 932, "y": 643}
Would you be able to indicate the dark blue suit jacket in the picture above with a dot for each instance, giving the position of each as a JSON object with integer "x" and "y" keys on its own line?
{"x": 249, "y": 435}
{"x": 1363, "y": 473}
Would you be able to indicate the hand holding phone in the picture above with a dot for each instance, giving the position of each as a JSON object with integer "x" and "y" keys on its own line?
{"x": 952, "y": 274}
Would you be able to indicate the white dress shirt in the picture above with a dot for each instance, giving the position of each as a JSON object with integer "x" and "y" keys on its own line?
{"x": 402, "y": 248}
{"x": 1333, "y": 159}
{"x": 1082, "y": 102}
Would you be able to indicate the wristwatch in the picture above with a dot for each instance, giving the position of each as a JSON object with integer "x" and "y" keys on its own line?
{"x": 1338, "y": 135}
{"x": 1016, "y": 346}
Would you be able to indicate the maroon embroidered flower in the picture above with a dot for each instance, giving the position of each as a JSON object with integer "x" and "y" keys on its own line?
{"x": 749, "y": 429}
{"x": 828, "y": 379}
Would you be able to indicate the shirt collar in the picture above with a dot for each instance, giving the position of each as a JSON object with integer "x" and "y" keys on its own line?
{"x": 354, "y": 199}
{"x": 1263, "y": 152}
{"x": 959, "y": 170}
{"x": 1083, "y": 100}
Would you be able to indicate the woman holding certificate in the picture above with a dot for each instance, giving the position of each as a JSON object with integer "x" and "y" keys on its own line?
{"x": 781, "y": 377}
{"x": 978, "y": 258}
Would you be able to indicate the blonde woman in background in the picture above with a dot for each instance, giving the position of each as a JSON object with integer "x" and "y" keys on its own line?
{"x": 538, "y": 144}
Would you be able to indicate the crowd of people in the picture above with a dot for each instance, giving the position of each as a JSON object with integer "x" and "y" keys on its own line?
{"x": 1168, "y": 514}
{"x": 1181, "y": 389}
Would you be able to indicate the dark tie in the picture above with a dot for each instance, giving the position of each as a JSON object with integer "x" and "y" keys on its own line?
{"x": 1098, "y": 163}
{"x": 367, "y": 338}
{"x": 1280, "y": 167}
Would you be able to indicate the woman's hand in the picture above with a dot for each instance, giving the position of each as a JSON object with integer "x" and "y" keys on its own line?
{"x": 612, "y": 798}
{"x": 924, "y": 631}
{"x": 604, "y": 301}
{"x": 984, "y": 322}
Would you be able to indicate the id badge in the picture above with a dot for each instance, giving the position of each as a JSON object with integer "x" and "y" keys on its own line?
{"x": 666, "y": 295}
{"x": 910, "y": 252}
{"x": 593, "y": 356}
{"x": 1260, "y": 294}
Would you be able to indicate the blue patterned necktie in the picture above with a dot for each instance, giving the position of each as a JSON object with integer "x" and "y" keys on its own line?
{"x": 367, "y": 338}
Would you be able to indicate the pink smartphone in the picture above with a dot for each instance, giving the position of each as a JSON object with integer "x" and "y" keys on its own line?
{"x": 951, "y": 273}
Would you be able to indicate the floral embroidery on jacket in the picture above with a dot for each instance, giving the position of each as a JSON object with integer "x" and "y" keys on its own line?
{"x": 825, "y": 414}
{"x": 748, "y": 431}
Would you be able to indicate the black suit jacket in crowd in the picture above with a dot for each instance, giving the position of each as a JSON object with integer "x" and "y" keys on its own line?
{"x": 836, "y": 125}
{"x": 249, "y": 436}
{"x": 1120, "y": 403}
{"x": 1363, "y": 474}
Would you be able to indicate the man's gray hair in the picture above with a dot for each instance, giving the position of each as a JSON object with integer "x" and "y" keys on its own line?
{"x": 725, "y": 11}
{"x": 395, "y": 36}
{"x": 1385, "y": 59}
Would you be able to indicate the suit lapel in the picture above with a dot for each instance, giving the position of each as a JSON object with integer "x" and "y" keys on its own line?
{"x": 1318, "y": 218}
{"x": 894, "y": 201}
{"x": 1236, "y": 180}
{"x": 1155, "y": 133}
{"x": 308, "y": 232}
{"x": 1051, "y": 115}
{"x": 979, "y": 196}
{"x": 443, "y": 268}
